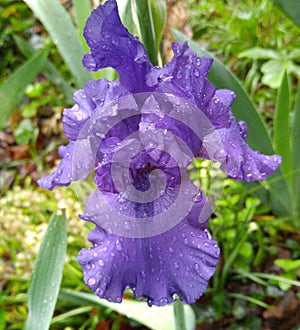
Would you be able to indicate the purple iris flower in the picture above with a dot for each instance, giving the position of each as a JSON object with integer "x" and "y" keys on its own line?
{"x": 139, "y": 133}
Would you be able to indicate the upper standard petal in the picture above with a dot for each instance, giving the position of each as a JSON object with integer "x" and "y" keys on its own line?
{"x": 113, "y": 46}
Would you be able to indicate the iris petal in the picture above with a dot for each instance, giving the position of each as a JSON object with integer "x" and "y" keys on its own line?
{"x": 179, "y": 261}
{"x": 62, "y": 176}
{"x": 113, "y": 46}
{"x": 239, "y": 161}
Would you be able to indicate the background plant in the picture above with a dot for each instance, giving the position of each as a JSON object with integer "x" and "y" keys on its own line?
{"x": 258, "y": 235}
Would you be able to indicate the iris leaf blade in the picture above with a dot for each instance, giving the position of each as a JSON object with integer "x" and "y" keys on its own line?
{"x": 146, "y": 27}
{"x": 62, "y": 31}
{"x": 49, "y": 69}
{"x": 82, "y": 12}
{"x": 291, "y": 8}
{"x": 12, "y": 90}
{"x": 281, "y": 126}
{"x": 47, "y": 275}
{"x": 158, "y": 9}
{"x": 156, "y": 318}
{"x": 295, "y": 151}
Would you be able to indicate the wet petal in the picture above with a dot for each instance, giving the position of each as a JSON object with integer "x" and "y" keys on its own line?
{"x": 180, "y": 261}
{"x": 184, "y": 76}
{"x": 62, "y": 176}
{"x": 94, "y": 95}
{"x": 112, "y": 46}
{"x": 239, "y": 161}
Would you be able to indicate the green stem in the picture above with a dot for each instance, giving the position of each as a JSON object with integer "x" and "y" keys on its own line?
{"x": 179, "y": 315}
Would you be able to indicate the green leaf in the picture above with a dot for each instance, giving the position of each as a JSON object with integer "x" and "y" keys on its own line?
{"x": 49, "y": 69}
{"x": 82, "y": 12}
{"x": 291, "y": 8}
{"x": 294, "y": 54}
{"x": 61, "y": 29}
{"x": 179, "y": 315}
{"x": 273, "y": 72}
{"x": 47, "y": 275}
{"x": 281, "y": 127}
{"x": 287, "y": 264}
{"x": 24, "y": 132}
{"x": 13, "y": 89}
{"x": 159, "y": 10}
{"x": 295, "y": 135}
{"x": 147, "y": 29}
{"x": 125, "y": 12}
{"x": 259, "y": 53}
{"x": 156, "y": 318}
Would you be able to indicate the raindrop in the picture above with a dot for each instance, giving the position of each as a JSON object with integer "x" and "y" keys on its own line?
{"x": 163, "y": 301}
{"x": 119, "y": 245}
{"x": 171, "y": 250}
{"x": 176, "y": 265}
{"x": 91, "y": 281}
{"x": 196, "y": 73}
{"x": 101, "y": 263}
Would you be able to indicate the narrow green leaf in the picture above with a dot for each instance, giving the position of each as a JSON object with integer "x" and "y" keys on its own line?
{"x": 47, "y": 275}
{"x": 159, "y": 11}
{"x": 291, "y": 8}
{"x": 82, "y": 12}
{"x": 277, "y": 195}
{"x": 259, "y": 53}
{"x": 251, "y": 300}
{"x": 61, "y": 29}
{"x": 277, "y": 278}
{"x": 295, "y": 134}
{"x": 49, "y": 69}
{"x": 281, "y": 127}
{"x": 12, "y": 90}
{"x": 156, "y": 318}
{"x": 125, "y": 12}
{"x": 147, "y": 29}
{"x": 179, "y": 315}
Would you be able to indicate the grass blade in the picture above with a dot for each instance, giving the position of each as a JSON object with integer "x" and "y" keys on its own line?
{"x": 281, "y": 127}
{"x": 12, "y": 90}
{"x": 61, "y": 29}
{"x": 251, "y": 300}
{"x": 278, "y": 279}
{"x": 49, "y": 69}
{"x": 47, "y": 275}
{"x": 156, "y": 318}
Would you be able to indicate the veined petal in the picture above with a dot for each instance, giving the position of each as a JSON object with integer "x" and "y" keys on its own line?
{"x": 177, "y": 262}
{"x": 113, "y": 46}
